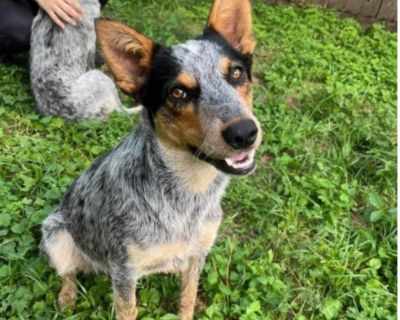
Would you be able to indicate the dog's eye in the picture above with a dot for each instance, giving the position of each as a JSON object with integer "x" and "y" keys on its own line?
{"x": 236, "y": 73}
{"x": 178, "y": 94}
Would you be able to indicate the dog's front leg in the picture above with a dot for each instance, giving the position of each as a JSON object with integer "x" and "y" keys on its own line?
{"x": 125, "y": 304}
{"x": 124, "y": 287}
{"x": 190, "y": 282}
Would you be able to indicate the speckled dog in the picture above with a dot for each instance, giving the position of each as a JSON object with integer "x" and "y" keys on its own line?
{"x": 63, "y": 79}
{"x": 153, "y": 203}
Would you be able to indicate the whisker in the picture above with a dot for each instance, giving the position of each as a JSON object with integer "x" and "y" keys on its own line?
{"x": 199, "y": 150}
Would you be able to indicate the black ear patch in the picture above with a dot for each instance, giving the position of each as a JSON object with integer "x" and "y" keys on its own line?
{"x": 164, "y": 71}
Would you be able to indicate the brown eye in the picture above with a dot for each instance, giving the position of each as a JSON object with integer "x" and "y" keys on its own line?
{"x": 236, "y": 73}
{"x": 178, "y": 94}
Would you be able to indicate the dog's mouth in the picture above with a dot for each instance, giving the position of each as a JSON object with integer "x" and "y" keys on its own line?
{"x": 240, "y": 164}
{"x": 240, "y": 161}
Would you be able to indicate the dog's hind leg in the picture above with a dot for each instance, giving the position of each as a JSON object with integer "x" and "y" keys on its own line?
{"x": 60, "y": 248}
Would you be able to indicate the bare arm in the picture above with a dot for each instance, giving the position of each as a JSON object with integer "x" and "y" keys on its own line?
{"x": 62, "y": 11}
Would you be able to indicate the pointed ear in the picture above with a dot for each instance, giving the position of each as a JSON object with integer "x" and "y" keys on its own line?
{"x": 232, "y": 20}
{"x": 127, "y": 53}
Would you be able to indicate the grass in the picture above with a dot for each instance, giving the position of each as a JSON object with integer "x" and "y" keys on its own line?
{"x": 311, "y": 235}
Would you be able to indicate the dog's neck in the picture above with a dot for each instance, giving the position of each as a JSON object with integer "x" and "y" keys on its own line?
{"x": 196, "y": 175}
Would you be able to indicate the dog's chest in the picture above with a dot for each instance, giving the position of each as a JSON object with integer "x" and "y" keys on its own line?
{"x": 173, "y": 256}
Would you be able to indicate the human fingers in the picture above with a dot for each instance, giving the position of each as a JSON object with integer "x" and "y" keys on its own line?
{"x": 64, "y": 16}
{"x": 75, "y": 5}
{"x": 55, "y": 19}
{"x": 70, "y": 11}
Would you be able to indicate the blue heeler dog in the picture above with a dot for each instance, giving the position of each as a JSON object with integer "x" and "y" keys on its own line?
{"x": 153, "y": 203}
{"x": 63, "y": 79}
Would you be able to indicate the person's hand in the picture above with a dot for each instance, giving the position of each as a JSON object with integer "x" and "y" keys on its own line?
{"x": 62, "y": 11}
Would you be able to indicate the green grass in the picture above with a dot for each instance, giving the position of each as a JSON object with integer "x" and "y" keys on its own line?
{"x": 311, "y": 235}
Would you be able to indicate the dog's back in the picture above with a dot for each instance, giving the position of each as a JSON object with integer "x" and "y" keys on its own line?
{"x": 63, "y": 78}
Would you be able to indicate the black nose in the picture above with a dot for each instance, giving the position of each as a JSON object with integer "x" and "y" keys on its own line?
{"x": 241, "y": 134}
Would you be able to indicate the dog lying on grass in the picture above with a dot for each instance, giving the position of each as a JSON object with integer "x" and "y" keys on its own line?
{"x": 153, "y": 203}
{"x": 63, "y": 79}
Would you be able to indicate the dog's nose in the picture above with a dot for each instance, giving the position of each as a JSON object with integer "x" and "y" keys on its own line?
{"x": 241, "y": 134}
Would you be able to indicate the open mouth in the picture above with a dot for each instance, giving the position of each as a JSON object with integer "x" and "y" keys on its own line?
{"x": 241, "y": 161}
{"x": 240, "y": 164}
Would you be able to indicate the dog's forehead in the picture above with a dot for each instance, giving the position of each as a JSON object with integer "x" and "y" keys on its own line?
{"x": 198, "y": 57}
{"x": 204, "y": 60}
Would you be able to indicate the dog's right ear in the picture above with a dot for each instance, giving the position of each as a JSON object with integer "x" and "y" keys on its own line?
{"x": 127, "y": 53}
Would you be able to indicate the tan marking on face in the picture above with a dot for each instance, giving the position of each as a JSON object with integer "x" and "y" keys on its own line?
{"x": 179, "y": 125}
{"x": 225, "y": 65}
{"x": 65, "y": 256}
{"x": 245, "y": 90}
{"x": 246, "y": 93}
{"x": 187, "y": 80}
{"x": 126, "y": 310}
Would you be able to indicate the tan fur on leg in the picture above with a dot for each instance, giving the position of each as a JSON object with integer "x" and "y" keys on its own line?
{"x": 68, "y": 293}
{"x": 190, "y": 281}
{"x": 126, "y": 310}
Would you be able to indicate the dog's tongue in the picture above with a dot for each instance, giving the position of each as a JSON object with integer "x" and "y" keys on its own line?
{"x": 238, "y": 157}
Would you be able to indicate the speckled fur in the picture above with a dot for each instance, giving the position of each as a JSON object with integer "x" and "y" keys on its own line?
{"x": 132, "y": 196}
{"x": 63, "y": 79}
{"x": 133, "y": 190}
{"x": 135, "y": 211}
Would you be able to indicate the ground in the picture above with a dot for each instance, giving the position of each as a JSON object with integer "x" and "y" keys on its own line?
{"x": 311, "y": 235}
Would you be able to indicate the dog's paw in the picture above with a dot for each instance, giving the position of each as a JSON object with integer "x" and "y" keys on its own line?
{"x": 67, "y": 298}
{"x": 186, "y": 313}
{"x": 186, "y": 316}
{"x": 127, "y": 314}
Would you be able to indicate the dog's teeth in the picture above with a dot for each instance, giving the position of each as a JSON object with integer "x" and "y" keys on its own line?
{"x": 251, "y": 154}
{"x": 230, "y": 162}
{"x": 240, "y": 165}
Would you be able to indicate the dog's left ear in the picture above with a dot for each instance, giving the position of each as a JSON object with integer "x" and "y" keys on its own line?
{"x": 127, "y": 52}
{"x": 232, "y": 20}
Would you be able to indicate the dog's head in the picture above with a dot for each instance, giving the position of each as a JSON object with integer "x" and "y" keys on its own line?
{"x": 198, "y": 94}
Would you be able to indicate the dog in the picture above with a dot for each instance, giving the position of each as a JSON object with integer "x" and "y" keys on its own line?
{"x": 62, "y": 69}
{"x": 152, "y": 204}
